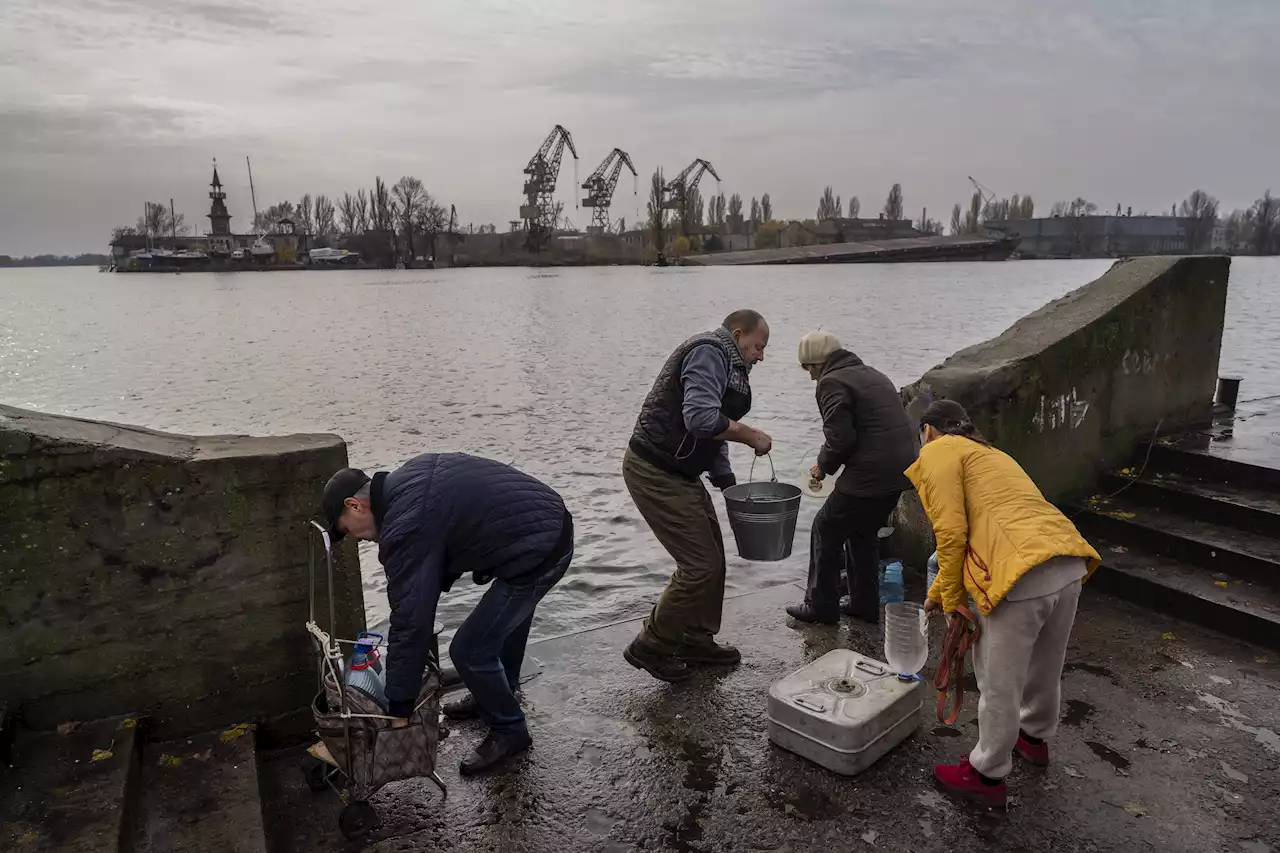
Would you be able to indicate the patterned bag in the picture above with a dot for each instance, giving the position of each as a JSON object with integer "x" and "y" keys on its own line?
{"x": 379, "y": 754}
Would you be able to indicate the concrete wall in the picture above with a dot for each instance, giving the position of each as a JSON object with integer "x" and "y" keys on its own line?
{"x": 1070, "y": 390}
{"x": 159, "y": 574}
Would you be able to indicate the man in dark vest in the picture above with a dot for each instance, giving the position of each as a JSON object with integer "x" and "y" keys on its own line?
{"x": 694, "y": 409}
{"x": 436, "y": 518}
{"x": 865, "y": 430}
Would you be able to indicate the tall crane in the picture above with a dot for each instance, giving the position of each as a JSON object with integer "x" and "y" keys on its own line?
{"x": 678, "y": 188}
{"x": 985, "y": 194}
{"x": 600, "y": 185}
{"x": 676, "y": 195}
{"x": 539, "y": 211}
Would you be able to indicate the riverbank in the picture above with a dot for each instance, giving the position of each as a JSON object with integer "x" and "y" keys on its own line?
{"x": 1167, "y": 743}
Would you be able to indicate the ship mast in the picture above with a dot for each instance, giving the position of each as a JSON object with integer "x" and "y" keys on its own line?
{"x": 252, "y": 195}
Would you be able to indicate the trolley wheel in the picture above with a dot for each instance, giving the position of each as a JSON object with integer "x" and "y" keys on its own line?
{"x": 357, "y": 820}
{"x": 316, "y": 772}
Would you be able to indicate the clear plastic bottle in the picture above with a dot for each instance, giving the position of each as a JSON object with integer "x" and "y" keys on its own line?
{"x": 932, "y": 570}
{"x": 891, "y": 589}
{"x": 906, "y": 639}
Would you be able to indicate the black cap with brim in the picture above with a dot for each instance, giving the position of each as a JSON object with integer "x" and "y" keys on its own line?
{"x": 342, "y": 485}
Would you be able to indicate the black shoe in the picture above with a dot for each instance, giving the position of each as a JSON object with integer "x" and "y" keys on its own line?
{"x": 465, "y": 708}
{"x": 709, "y": 653}
{"x": 808, "y": 613}
{"x": 661, "y": 666}
{"x": 493, "y": 751}
{"x": 863, "y": 614}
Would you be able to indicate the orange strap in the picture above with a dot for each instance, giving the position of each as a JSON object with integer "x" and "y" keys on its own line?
{"x": 962, "y": 635}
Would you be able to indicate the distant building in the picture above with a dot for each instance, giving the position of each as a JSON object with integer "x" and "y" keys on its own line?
{"x": 220, "y": 242}
{"x": 1099, "y": 236}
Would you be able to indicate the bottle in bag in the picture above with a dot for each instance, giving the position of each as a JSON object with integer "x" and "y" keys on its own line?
{"x": 364, "y": 671}
{"x": 932, "y": 570}
{"x": 891, "y": 589}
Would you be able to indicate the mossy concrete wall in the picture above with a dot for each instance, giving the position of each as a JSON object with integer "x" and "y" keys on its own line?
{"x": 142, "y": 572}
{"x": 1073, "y": 388}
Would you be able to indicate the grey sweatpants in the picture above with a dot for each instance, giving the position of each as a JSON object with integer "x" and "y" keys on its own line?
{"x": 1018, "y": 662}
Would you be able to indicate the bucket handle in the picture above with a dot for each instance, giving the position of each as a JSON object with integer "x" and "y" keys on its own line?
{"x": 751, "y": 475}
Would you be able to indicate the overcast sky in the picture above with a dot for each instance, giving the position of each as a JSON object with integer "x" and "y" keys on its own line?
{"x": 107, "y": 103}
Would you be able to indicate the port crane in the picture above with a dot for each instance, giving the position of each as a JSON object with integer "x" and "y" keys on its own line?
{"x": 676, "y": 193}
{"x": 600, "y": 185}
{"x": 678, "y": 188}
{"x": 985, "y": 194}
{"x": 539, "y": 210}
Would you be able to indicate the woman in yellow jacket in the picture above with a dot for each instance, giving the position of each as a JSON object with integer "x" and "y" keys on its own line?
{"x": 1017, "y": 563}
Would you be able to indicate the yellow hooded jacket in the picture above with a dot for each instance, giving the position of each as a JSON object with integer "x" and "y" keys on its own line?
{"x": 991, "y": 522}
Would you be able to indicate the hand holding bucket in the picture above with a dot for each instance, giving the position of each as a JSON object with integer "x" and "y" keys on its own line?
{"x": 763, "y": 516}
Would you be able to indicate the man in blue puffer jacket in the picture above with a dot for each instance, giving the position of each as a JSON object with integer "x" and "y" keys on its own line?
{"x": 436, "y": 518}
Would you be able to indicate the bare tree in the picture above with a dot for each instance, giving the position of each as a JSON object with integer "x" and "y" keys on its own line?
{"x": 927, "y": 225}
{"x": 1239, "y": 230}
{"x": 829, "y": 206}
{"x": 158, "y": 221}
{"x": 1076, "y": 209}
{"x": 1201, "y": 211}
{"x": 766, "y": 208}
{"x": 431, "y": 219}
{"x": 409, "y": 195}
{"x": 1266, "y": 224}
{"x": 380, "y": 214}
{"x": 735, "y": 205}
{"x": 657, "y": 213}
{"x": 855, "y": 207}
{"x": 326, "y": 227}
{"x": 268, "y": 221}
{"x": 956, "y": 222}
{"x": 755, "y": 210}
{"x": 306, "y": 223}
{"x": 894, "y": 206}
{"x": 973, "y": 216}
{"x": 350, "y": 215}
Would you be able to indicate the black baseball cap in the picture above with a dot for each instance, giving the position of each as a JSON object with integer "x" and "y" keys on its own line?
{"x": 943, "y": 413}
{"x": 341, "y": 486}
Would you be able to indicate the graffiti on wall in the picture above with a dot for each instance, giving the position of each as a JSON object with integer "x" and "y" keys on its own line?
{"x": 1139, "y": 362}
{"x": 1066, "y": 410}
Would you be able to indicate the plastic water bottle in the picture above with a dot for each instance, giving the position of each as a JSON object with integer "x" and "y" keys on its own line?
{"x": 891, "y": 590}
{"x": 932, "y": 570}
{"x": 906, "y": 639}
{"x": 371, "y": 649}
{"x": 364, "y": 671}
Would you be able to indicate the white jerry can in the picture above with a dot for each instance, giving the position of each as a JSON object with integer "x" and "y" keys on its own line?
{"x": 843, "y": 711}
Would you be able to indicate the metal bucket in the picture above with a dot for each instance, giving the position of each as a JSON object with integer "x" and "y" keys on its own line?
{"x": 763, "y": 518}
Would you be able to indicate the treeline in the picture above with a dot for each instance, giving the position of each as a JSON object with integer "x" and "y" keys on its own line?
{"x": 396, "y": 221}
{"x": 83, "y": 260}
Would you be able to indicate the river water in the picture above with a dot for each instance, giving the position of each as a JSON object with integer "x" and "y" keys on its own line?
{"x": 541, "y": 368}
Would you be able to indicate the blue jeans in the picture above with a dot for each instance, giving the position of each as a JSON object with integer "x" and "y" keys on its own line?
{"x": 488, "y": 648}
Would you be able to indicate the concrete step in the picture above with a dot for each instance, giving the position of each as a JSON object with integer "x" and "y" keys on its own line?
{"x": 1212, "y": 547}
{"x": 1244, "y": 507}
{"x": 200, "y": 795}
{"x": 1185, "y": 456}
{"x": 70, "y": 791}
{"x": 1235, "y": 607}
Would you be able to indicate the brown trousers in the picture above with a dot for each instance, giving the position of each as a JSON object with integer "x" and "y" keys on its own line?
{"x": 681, "y": 515}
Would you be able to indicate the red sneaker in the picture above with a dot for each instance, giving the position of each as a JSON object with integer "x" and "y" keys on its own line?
{"x": 1035, "y": 753}
{"x": 961, "y": 779}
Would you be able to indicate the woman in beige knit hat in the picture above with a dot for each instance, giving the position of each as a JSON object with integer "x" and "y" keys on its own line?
{"x": 865, "y": 431}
